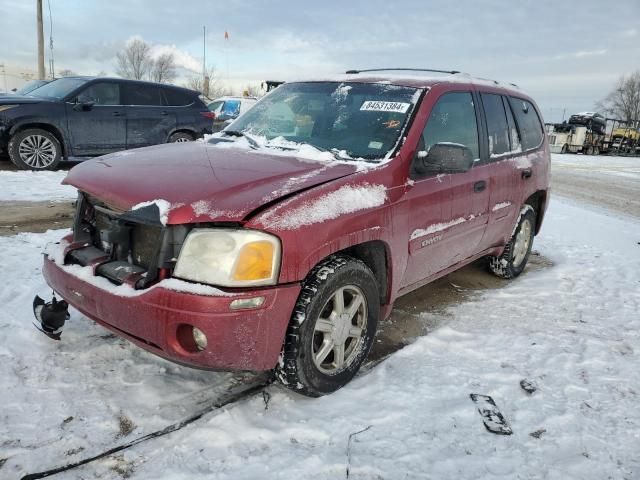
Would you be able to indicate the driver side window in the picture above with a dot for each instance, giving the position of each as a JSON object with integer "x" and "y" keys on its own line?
{"x": 452, "y": 120}
{"x": 101, "y": 94}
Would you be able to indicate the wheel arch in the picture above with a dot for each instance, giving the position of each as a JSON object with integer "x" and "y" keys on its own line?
{"x": 190, "y": 131}
{"x": 56, "y": 132}
{"x": 375, "y": 254}
{"x": 538, "y": 200}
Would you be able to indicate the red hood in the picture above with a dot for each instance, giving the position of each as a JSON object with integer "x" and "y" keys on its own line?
{"x": 202, "y": 182}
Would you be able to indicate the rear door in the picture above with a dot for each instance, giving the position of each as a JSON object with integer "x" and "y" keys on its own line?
{"x": 96, "y": 119}
{"x": 509, "y": 164}
{"x": 447, "y": 212}
{"x": 149, "y": 121}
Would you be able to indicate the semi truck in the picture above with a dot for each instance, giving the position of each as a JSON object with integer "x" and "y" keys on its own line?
{"x": 583, "y": 133}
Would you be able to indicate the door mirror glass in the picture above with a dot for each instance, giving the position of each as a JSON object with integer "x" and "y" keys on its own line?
{"x": 444, "y": 158}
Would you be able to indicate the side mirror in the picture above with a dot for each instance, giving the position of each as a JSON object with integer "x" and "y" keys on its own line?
{"x": 83, "y": 106}
{"x": 444, "y": 158}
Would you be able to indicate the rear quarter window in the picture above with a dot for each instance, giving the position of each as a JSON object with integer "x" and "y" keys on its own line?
{"x": 531, "y": 131}
{"x": 177, "y": 98}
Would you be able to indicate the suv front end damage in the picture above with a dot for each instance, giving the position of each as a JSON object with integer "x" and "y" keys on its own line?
{"x": 116, "y": 269}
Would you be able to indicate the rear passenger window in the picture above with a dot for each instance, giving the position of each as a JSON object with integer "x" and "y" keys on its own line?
{"x": 514, "y": 135}
{"x": 497, "y": 127}
{"x": 453, "y": 120}
{"x": 177, "y": 98}
{"x": 528, "y": 122}
{"x": 141, "y": 94}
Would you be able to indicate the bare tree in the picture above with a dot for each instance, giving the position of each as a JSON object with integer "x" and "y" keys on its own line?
{"x": 163, "y": 69}
{"x": 66, "y": 73}
{"x": 252, "y": 91}
{"x": 135, "y": 60}
{"x": 623, "y": 101}
{"x": 216, "y": 89}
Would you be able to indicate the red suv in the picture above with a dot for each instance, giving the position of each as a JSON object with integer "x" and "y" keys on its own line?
{"x": 283, "y": 241}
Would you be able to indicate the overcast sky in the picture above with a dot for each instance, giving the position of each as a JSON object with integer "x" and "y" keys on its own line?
{"x": 567, "y": 54}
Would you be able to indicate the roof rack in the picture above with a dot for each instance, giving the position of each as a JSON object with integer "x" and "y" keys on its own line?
{"x": 353, "y": 72}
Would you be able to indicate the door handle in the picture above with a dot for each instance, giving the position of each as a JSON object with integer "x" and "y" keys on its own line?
{"x": 479, "y": 186}
{"x": 163, "y": 113}
{"x": 116, "y": 114}
{"x": 526, "y": 173}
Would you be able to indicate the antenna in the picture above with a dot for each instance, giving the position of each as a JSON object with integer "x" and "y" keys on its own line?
{"x": 354, "y": 72}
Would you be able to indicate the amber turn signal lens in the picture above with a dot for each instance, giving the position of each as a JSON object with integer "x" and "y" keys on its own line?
{"x": 255, "y": 261}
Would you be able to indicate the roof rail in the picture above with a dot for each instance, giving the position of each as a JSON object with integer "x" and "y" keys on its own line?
{"x": 353, "y": 72}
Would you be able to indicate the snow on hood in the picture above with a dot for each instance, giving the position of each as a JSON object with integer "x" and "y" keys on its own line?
{"x": 197, "y": 182}
{"x": 346, "y": 199}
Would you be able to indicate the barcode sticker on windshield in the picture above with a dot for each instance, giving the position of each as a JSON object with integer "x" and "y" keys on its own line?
{"x": 376, "y": 106}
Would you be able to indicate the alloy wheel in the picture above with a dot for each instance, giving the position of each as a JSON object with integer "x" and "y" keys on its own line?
{"x": 37, "y": 151}
{"x": 521, "y": 245}
{"x": 339, "y": 330}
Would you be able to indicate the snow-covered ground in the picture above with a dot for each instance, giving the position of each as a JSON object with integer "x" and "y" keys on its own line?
{"x": 573, "y": 329}
{"x": 599, "y": 164}
{"x": 34, "y": 186}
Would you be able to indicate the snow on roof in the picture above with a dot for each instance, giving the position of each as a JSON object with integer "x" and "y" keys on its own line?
{"x": 413, "y": 79}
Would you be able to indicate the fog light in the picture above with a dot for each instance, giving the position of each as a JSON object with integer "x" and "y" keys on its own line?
{"x": 200, "y": 338}
{"x": 242, "y": 303}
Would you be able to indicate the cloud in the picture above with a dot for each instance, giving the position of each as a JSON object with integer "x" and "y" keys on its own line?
{"x": 182, "y": 58}
{"x": 630, "y": 33}
{"x": 581, "y": 54}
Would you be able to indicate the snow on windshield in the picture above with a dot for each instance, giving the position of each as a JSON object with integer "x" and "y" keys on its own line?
{"x": 345, "y": 120}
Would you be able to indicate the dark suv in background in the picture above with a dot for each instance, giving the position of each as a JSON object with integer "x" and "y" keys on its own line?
{"x": 86, "y": 116}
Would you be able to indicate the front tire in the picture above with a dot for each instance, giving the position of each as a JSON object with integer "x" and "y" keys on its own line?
{"x": 516, "y": 253}
{"x": 332, "y": 327}
{"x": 181, "y": 137}
{"x": 35, "y": 149}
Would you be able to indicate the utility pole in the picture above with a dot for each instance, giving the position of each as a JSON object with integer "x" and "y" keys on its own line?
{"x": 41, "y": 73}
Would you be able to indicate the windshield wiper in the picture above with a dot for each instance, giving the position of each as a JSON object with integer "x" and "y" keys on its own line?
{"x": 238, "y": 133}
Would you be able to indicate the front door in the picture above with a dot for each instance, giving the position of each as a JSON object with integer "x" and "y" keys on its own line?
{"x": 96, "y": 120}
{"x": 447, "y": 215}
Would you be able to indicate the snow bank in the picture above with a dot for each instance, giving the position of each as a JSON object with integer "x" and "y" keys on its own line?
{"x": 34, "y": 187}
{"x": 347, "y": 199}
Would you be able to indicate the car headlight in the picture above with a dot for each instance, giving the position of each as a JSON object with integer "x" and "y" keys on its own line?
{"x": 6, "y": 107}
{"x": 229, "y": 258}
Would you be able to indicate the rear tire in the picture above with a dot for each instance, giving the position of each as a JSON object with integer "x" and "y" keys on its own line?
{"x": 181, "y": 137}
{"x": 332, "y": 327}
{"x": 516, "y": 253}
{"x": 35, "y": 149}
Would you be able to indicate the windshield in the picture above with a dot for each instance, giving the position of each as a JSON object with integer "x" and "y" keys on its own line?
{"x": 58, "y": 88}
{"x": 30, "y": 86}
{"x": 355, "y": 120}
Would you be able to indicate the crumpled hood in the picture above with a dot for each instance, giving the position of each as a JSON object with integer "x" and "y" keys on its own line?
{"x": 198, "y": 181}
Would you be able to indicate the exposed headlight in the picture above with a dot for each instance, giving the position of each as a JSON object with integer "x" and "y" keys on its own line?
{"x": 229, "y": 258}
{"x": 6, "y": 107}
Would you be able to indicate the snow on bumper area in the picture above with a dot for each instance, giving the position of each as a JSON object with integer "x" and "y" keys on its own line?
{"x": 573, "y": 329}
{"x": 34, "y": 186}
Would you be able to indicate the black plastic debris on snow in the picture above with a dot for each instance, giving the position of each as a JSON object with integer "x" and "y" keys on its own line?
{"x": 352, "y": 435}
{"x": 528, "y": 386}
{"x": 239, "y": 394}
{"x": 492, "y": 418}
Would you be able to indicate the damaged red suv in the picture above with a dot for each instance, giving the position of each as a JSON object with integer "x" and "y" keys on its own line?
{"x": 283, "y": 241}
